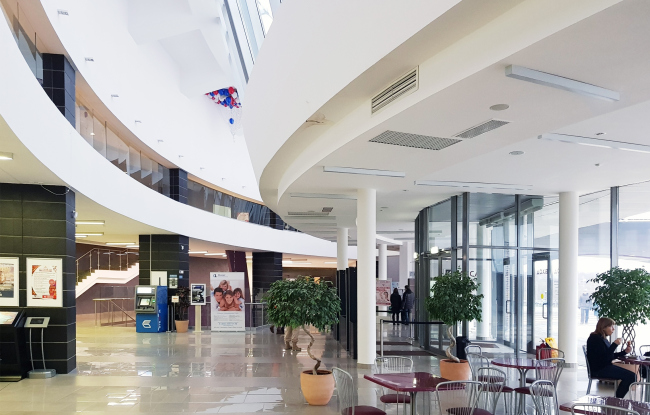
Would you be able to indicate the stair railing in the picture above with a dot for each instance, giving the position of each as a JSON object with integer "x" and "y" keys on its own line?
{"x": 105, "y": 259}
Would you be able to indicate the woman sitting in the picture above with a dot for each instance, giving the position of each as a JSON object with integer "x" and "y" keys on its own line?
{"x": 600, "y": 353}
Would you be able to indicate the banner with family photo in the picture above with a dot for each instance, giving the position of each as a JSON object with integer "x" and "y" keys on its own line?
{"x": 383, "y": 292}
{"x": 9, "y": 282}
{"x": 44, "y": 282}
{"x": 227, "y": 300}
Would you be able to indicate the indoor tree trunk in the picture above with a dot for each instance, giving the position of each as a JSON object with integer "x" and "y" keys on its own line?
{"x": 452, "y": 343}
{"x": 628, "y": 334}
{"x": 311, "y": 343}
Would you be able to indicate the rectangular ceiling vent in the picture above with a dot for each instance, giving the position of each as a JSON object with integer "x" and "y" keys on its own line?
{"x": 481, "y": 128}
{"x": 327, "y": 209}
{"x": 413, "y": 140}
{"x": 308, "y": 213}
{"x": 403, "y": 86}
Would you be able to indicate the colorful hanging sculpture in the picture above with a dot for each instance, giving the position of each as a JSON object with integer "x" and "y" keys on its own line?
{"x": 228, "y": 100}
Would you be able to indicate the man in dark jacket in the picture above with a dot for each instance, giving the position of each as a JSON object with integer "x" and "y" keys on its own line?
{"x": 408, "y": 304}
{"x": 395, "y": 305}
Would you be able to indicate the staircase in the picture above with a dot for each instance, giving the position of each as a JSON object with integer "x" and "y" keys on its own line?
{"x": 106, "y": 266}
{"x": 102, "y": 276}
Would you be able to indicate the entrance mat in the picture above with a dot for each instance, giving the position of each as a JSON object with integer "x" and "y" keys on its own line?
{"x": 406, "y": 353}
{"x": 486, "y": 345}
{"x": 395, "y": 344}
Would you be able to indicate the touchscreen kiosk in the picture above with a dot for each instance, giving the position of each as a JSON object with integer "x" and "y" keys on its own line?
{"x": 14, "y": 353}
{"x": 150, "y": 309}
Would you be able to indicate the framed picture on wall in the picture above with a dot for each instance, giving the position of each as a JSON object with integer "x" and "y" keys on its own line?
{"x": 198, "y": 294}
{"x": 9, "y": 282}
{"x": 44, "y": 282}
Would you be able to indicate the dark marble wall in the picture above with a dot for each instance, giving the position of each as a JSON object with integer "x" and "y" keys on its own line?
{"x": 59, "y": 84}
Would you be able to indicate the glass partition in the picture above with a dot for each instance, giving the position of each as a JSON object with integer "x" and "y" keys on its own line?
{"x": 440, "y": 225}
{"x": 540, "y": 221}
{"x": 492, "y": 220}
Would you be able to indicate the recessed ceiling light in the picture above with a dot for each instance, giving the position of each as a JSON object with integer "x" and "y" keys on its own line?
{"x": 92, "y": 133}
{"x": 516, "y": 153}
{"x": 6, "y": 156}
{"x": 322, "y": 196}
{"x": 84, "y": 234}
{"x": 366, "y": 172}
{"x": 214, "y": 253}
{"x": 499, "y": 107}
{"x": 120, "y": 243}
{"x": 476, "y": 185}
{"x": 555, "y": 81}
{"x": 89, "y": 222}
{"x": 197, "y": 252}
{"x": 80, "y": 236}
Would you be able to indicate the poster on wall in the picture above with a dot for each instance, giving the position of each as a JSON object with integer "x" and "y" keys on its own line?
{"x": 383, "y": 292}
{"x": 9, "y": 282}
{"x": 44, "y": 282}
{"x": 198, "y": 294}
{"x": 227, "y": 301}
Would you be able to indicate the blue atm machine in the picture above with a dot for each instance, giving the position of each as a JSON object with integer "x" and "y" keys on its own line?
{"x": 150, "y": 309}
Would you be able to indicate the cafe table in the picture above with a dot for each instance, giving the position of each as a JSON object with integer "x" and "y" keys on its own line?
{"x": 642, "y": 408}
{"x": 410, "y": 383}
{"x": 634, "y": 360}
{"x": 523, "y": 365}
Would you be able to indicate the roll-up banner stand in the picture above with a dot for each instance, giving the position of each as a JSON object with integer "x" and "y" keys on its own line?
{"x": 227, "y": 301}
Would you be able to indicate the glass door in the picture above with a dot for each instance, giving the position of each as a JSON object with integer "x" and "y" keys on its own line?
{"x": 439, "y": 265}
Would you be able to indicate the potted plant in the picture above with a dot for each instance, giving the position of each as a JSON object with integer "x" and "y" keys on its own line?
{"x": 624, "y": 296}
{"x": 181, "y": 315}
{"x": 300, "y": 303}
{"x": 453, "y": 298}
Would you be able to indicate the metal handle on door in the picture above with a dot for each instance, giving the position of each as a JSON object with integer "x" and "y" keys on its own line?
{"x": 544, "y": 308}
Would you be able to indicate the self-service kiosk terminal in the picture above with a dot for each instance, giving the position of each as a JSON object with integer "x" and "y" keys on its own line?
{"x": 150, "y": 309}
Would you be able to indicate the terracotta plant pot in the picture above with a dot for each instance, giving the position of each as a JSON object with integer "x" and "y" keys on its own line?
{"x": 455, "y": 371}
{"x": 181, "y": 326}
{"x": 317, "y": 389}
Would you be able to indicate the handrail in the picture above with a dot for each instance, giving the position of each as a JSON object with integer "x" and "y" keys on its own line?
{"x": 100, "y": 251}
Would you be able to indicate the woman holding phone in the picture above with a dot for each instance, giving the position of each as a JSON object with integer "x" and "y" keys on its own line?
{"x": 600, "y": 353}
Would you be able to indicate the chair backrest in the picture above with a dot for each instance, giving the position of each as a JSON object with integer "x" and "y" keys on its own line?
{"x": 476, "y": 361}
{"x": 393, "y": 364}
{"x": 644, "y": 349}
{"x": 552, "y": 372}
{"x": 544, "y": 397}
{"x": 345, "y": 391}
{"x": 473, "y": 348}
{"x": 547, "y": 352}
{"x": 639, "y": 391}
{"x": 460, "y": 395}
{"x": 584, "y": 350}
{"x": 593, "y": 409}
{"x": 493, "y": 382}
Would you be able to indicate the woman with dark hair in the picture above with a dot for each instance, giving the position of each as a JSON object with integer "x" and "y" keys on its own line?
{"x": 395, "y": 305}
{"x": 600, "y": 353}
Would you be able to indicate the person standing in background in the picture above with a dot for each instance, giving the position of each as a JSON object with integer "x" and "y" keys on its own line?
{"x": 395, "y": 305}
{"x": 408, "y": 303}
{"x": 585, "y": 306}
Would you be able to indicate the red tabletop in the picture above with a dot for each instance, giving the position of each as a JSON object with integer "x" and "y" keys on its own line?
{"x": 520, "y": 363}
{"x": 641, "y": 407}
{"x": 636, "y": 361}
{"x": 407, "y": 382}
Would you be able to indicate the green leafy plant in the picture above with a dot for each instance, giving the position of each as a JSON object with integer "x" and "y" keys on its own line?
{"x": 303, "y": 302}
{"x": 453, "y": 298}
{"x": 183, "y": 305}
{"x": 624, "y": 296}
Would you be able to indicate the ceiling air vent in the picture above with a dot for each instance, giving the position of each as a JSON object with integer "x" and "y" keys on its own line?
{"x": 481, "y": 128}
{"x": 406, "y": 84}
{"x": 327, "y": 209}
{"x": 413, "y": 140}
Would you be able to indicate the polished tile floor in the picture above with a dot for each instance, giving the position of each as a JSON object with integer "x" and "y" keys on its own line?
{"x": 121, "y": 371}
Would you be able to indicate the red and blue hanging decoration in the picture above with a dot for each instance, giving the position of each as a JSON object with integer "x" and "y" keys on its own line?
{"x": 229, "y": 99}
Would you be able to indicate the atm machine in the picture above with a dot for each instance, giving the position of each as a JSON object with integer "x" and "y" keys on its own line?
{"x": 150, "y": 309}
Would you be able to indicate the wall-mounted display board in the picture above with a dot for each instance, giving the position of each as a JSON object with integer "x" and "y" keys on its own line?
{"x": 44, "y": 282}
{"x": 198, "y": 294}
{"x": 9, "y": 282}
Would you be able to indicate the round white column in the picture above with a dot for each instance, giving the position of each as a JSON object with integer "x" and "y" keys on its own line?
{"x": 342, "y": 249}
{"x": 382, "y": 272}
{"x": 366, "y": 252}
{"x": 568, "y": 278}
{"x": 483, "y": 276}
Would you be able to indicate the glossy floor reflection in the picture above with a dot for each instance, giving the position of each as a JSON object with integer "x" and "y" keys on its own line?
{"x": 121, "y": 371}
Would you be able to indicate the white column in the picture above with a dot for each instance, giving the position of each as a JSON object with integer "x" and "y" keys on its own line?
{"x": 382, "y": 272}
{"x": 405, "y": 262}
{"x": 342, "y": 249}
{"x": 366, "y": 252}
{"x": 568, "y": 278}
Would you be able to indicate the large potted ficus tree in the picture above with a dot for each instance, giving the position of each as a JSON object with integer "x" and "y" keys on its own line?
{"x": 301, "y": 303}
{"x": 453, "y": 299}
{"x": 624, "y": 296}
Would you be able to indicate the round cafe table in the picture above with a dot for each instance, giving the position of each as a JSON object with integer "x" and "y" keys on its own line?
{"x": 523, "y": 365}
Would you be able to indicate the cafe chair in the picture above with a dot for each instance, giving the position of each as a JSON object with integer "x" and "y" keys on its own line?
{"x": 644, "y": 349}
{"x": 393, "y": 364}
{"x": 639, "y": 391}
{"x": 551, "y": 373}
{"x": 594, "y": 409}
{"x": 544, "y": 397}
{"x": 348, "y": 399}
{"x": 615, "y": 381}
{"x": 459, "y": 397}
{"x": 476, "y": 362}
{"x": 492, "y": 386}
{"x": 545, "y": 353}
{"x": 473, "y": 348}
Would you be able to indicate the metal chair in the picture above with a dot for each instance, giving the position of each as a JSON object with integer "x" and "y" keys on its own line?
{"x": 347, "y": 396}
{"x": 545, "y": 353}
{"x": 490, "y": 392}
{"x": 393, "y": 364}
{"x": 644, "y": 349}
{"x": 473, "y": 348}
{"x": 543, "y": 371}
{"x": 593, "y": 409}
{"x": 589, "y": 375}
{"x": 639, "y": 391}
{"x": 459, "y": 397}
{"x": 476, "y": 362}
{"x": 544, "y": 397}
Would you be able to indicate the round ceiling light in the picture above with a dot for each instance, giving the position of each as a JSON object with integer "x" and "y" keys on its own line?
{"x": 499, "y": 107}
{"x": 516, "y": 153}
